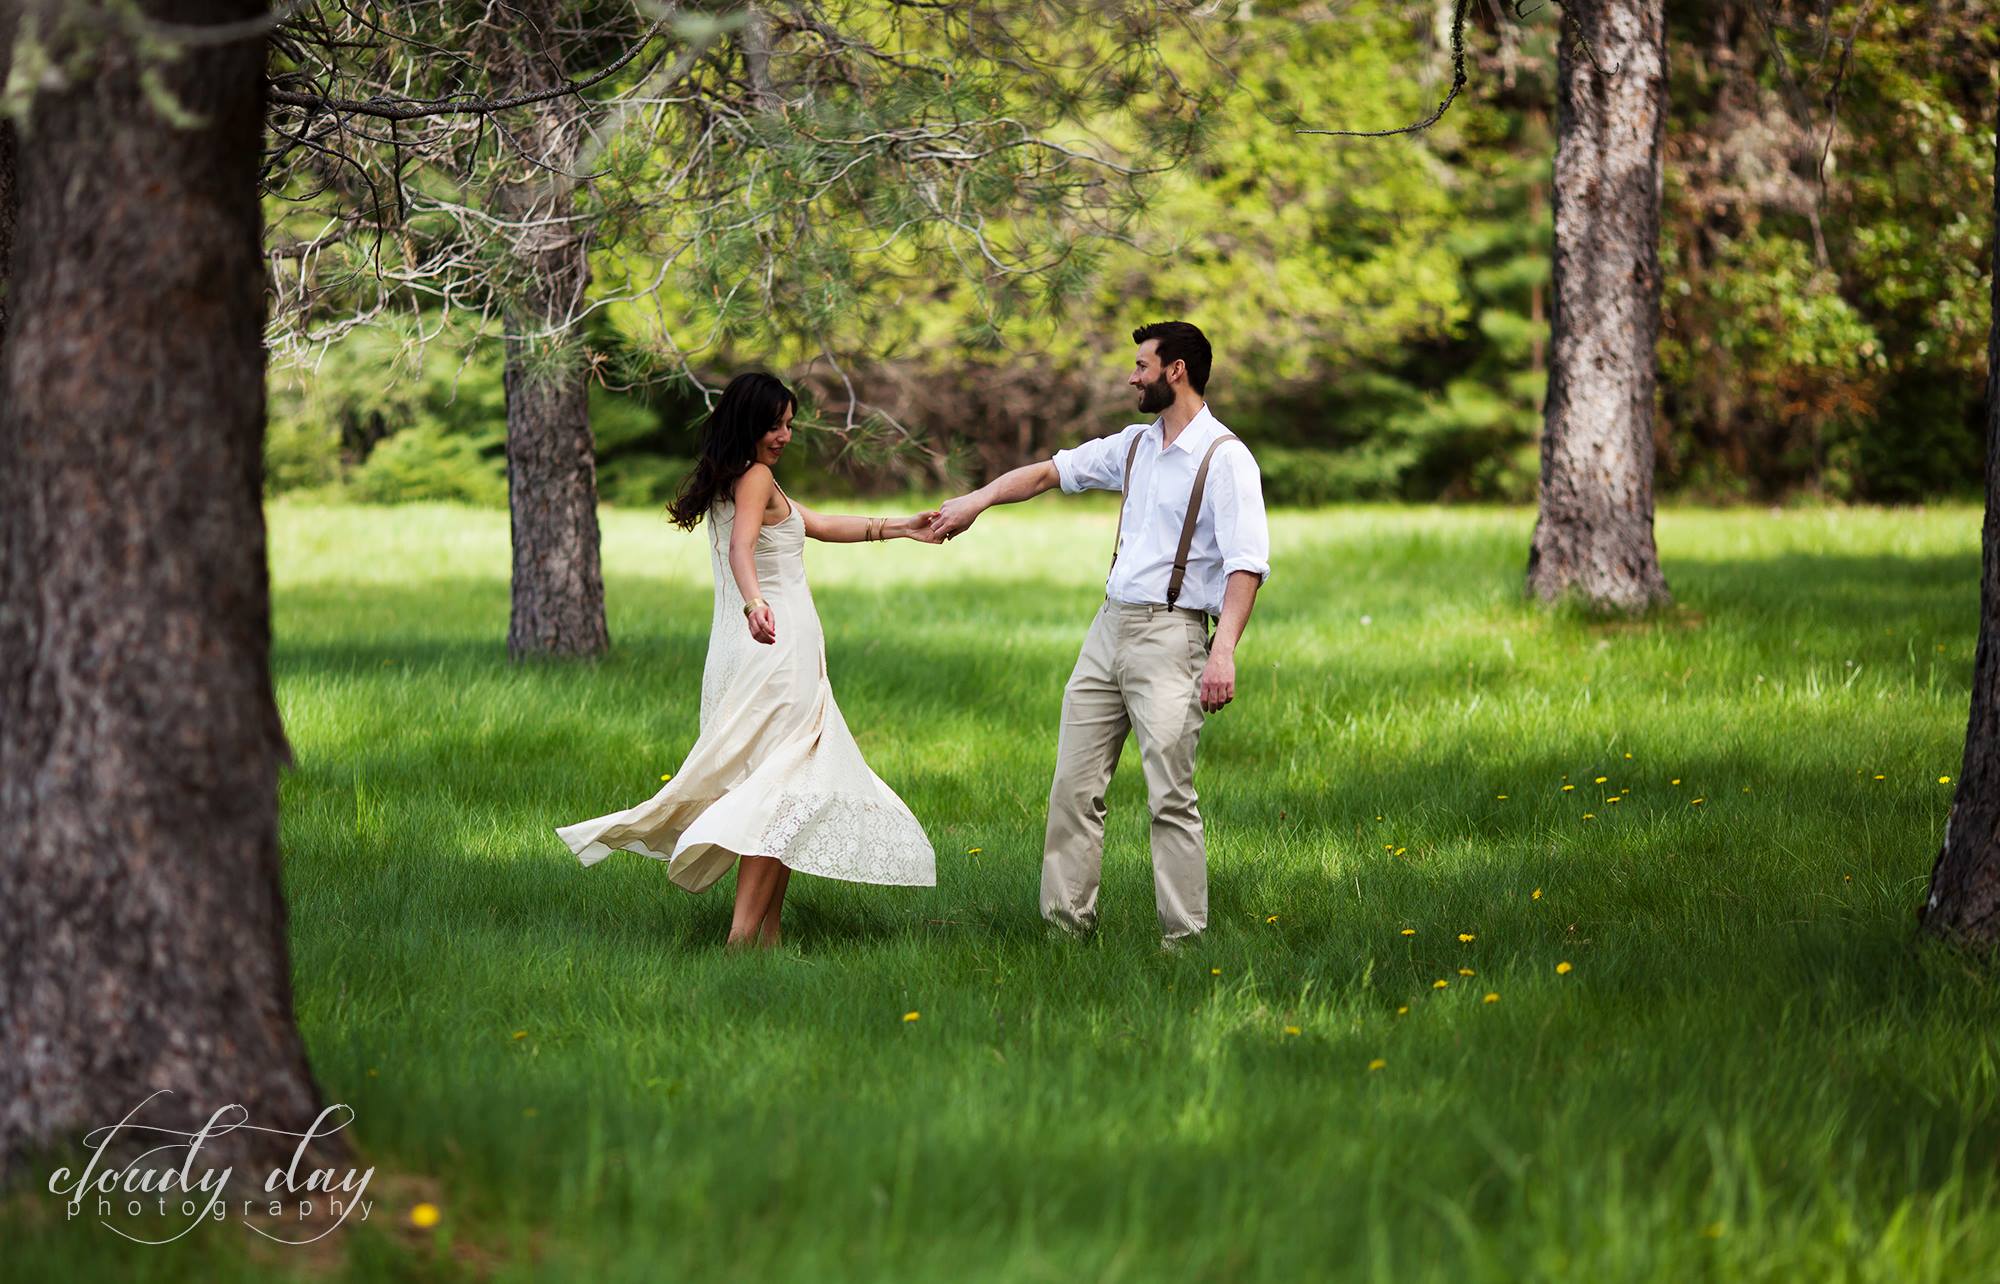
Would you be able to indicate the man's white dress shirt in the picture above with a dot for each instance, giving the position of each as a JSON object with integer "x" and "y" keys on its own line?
{"x": 1229, "y": 534}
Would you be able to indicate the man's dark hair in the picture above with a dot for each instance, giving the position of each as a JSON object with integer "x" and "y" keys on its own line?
{"x": 1180, "y": 341}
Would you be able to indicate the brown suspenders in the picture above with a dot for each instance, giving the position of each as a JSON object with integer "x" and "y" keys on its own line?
{"x": 1187, "y": 523}
{"x": 1123, "y": 486}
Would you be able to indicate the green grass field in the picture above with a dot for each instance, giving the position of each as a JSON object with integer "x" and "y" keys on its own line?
{"x": 1750, "y": 1071}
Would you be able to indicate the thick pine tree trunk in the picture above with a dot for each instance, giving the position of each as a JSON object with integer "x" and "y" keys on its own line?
{"x": 1594, "y": 536}
{"x": 1964, "y": 900}
{"x": 142, "y": 927}
{"x": 551, "y": 458}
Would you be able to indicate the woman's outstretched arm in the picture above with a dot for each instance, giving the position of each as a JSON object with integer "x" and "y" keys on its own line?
{"x": 842, "y": 529}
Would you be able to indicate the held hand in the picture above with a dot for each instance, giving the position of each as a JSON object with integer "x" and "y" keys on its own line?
{"x": 1218, "y": 682}
{"x": 954, "y": 516}
{"x": 919, "y": 528}
{"x": 763, "y": 625}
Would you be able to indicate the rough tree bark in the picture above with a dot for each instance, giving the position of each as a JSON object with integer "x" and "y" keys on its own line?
{"x": 1594, "y": 535}
{"x": 1964, "y": 900}
{"x": 558, "y": 596}
{"x": 142, "y": 926}
{"x": 9, "y": 189}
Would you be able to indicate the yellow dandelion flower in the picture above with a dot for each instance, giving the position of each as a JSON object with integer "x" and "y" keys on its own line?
{"x": 1291, "y": 1029}
{"x": 1625, "y": 791}
{"x": 1466, "y": 936}
{"x": 974, "y": 851}
{"x": 1466, "y": 971}
{"x": 668, "y": 776}
{"x": 1628, "y": 755}
{"x": 1401, "y": 850}
{"x": 1378, "y": 818}
{"x": 1675, "y": 781}
{"x": 520, "y": 1034}
{"x": 1501, "y": 797}
{"x": 1439, "y": 984}
{"x": 910, "y": 1016}
{"x": 1535, "y": 895}
{"x": 1403, "y": 1010}
{"x": 1377, "y": 1064}
{"x": 1567, "y": 788}
{"x": 1494, "y": 998}
{"x": 1388, "y": 847}
{"x": 1600, "y": 780}
{"x": 1563, "y": 968}
{"x": 1272, "y": 919}
{"x": 1409, "y": 931}
{"x": 1944, "y": 780}
{"x": 1880, "y": 777}
{"x": 424, "y": 1216}
{"x": 1215, "y": 971}
{"x": 1590, "y": 815}
{"x": 1614, "y": 799}
{"x": 1697, "y": 802}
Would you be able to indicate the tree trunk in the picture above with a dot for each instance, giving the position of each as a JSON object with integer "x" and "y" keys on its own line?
{"x": 1964, "y": 900}
{"x": 1594, "y": 535}
{"x": 9, "y": 187}
{"x": 551, "y": 458}
{"x": 142, "y": 926}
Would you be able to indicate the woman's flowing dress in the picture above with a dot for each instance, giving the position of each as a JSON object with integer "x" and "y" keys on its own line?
{"x": 775, "y": 771}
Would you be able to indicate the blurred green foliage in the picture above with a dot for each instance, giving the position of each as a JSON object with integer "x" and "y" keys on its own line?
{"x": 1378, "y": 306}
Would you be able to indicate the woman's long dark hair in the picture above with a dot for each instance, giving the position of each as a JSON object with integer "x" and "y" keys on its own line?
{"x": 751, "y": 406}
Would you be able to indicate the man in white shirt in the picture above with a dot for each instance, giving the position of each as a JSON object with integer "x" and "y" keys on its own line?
{"x": 1149, "y": 663}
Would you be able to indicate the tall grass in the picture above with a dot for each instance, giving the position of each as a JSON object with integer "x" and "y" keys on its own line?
{"x": 1750, "y": 1069}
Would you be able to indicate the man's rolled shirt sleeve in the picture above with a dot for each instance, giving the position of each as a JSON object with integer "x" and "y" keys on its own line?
{"x": 1241, "y": 532}
{"x": 1098, "y": 464}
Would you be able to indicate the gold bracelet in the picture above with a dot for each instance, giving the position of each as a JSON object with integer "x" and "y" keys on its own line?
{"x": 753, "y": 604}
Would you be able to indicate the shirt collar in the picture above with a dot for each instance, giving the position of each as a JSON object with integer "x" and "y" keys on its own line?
{"x": 1197, "y": 432}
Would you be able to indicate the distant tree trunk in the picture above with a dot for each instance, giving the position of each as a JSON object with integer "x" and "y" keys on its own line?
{"x": 9, "y": 188}
{"x": 551, "y": 458}
{"x": 1594, "y": 536}
{"x": 1538, "y": 350}
{"x": 142, "y": 927}
{"x": 1964, "y": 900}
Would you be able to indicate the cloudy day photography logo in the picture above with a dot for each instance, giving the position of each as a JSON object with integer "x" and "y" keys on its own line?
{"x": 153, "y": 1185}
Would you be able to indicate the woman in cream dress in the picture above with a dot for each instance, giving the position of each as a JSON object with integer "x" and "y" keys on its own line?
{"x": 775, "y": 778}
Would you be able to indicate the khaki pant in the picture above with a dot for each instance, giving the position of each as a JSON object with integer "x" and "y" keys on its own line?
{"x": 1140, "y": 670}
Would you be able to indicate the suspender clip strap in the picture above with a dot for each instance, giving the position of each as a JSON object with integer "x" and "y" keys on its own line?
{"x": 1193, "y": 511}
{"x": 1187, "y": 524}
{"x": 1124, "y": 490}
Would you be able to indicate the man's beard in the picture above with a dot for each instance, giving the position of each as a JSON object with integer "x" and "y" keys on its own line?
{"x": 1155, "y": 397}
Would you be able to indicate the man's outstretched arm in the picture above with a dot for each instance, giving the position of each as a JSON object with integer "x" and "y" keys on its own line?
{"x": 1025, "y": 482}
